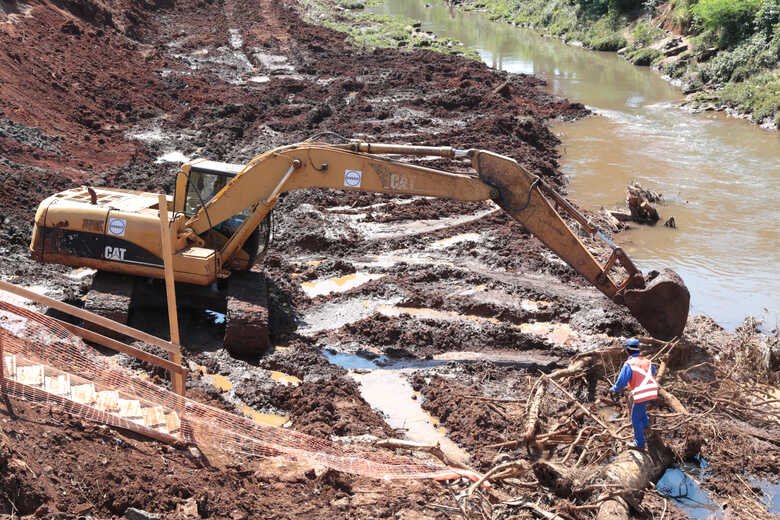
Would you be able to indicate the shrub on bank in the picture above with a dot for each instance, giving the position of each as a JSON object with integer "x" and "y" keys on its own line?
{"x": 753, "y": 56}
{"x": 643, "y": 56}
{"x": 759, "y": 97}
{"x": 731, "y": 20}
{"x": 606, "y": 34}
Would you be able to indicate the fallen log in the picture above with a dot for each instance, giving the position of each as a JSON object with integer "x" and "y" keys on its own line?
{"x": 634, "y": 470}
{"x": 433, "y": 449}
{"x": 672, "y": 402}
{"x": 622, "y": 482}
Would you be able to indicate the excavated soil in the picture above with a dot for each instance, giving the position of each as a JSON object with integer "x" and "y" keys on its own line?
{"x": 109, "y": 93}
{"x": 55, "y": 466}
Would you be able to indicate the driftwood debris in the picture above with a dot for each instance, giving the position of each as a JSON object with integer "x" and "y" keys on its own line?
{"x": 633, "y": 470}
{"x": 571, "y": 458}
{"x": 639, "y": 205}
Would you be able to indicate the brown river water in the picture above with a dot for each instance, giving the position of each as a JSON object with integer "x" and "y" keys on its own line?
{"x": 720, "y": 177}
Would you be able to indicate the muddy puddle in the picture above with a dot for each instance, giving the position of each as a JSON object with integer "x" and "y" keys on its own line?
{"x": 682, "y": 485}
{"x": 226, "y": 386}
{"x": 385, "y": 386}
{"x": 339, "y": 284}
{"x": 330, "y": 316}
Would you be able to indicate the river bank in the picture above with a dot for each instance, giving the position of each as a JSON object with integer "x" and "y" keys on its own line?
{"x": 737, "y": 76}
{"x": 735, "y": 72}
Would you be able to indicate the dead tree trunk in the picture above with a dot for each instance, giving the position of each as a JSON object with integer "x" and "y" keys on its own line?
{"x": 622, "y": 482}
{"x": 633, "y": 470}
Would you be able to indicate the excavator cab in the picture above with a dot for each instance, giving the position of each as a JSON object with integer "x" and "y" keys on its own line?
{"x": 203, "y": 182}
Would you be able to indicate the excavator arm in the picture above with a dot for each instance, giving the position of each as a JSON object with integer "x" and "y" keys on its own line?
{"x": 660, "y": 305}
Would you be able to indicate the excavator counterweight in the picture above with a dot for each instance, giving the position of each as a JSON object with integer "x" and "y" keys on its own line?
{"x": 220, "y": 223}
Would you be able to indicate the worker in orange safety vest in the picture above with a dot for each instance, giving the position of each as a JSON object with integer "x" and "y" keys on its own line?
{"x": 638, "y": 374}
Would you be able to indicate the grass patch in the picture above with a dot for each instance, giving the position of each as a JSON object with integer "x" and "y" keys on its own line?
{"x": 759, "y": 97}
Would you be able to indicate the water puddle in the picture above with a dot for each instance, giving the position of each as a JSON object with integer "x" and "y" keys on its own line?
{"x": 81, "y": 273}
{"x": 389, "y": 392}
{"x": 680, "y": 484}
{"x": 335, "y": 315}
{"x": 273, "y": 62}
{"x": 225, "y": 385}
{"x": 350, "y": 361}
{"x": 370, "y": 358}
{"x": 217, "y": 317}
{"x": 265, "y": 419}
{"x": 771, "y": 491}
{"x": 175, "y": 157}
{"x": 341, "y": 284}
{"x": 221, "y": 382}
{"x": 457, "y": 239}
{"x": 285, "y": 379}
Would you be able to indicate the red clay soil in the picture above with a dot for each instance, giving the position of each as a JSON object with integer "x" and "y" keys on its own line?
{"x": 92, "y": 92}
{"x": 471, "y": 423}
{"x": 55, "y": 466}
{"x": 79, "y": 78}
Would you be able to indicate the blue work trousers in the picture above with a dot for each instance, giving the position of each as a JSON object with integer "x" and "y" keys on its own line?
{"x": 640, "y": 421}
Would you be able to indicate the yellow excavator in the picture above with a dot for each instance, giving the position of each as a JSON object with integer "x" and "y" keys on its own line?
{"x": 220, "y": 228}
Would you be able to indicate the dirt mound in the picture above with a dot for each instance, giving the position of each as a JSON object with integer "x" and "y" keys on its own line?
{"x": 406, "y": 336}
{"x": 330, "y": 408}
{"x": 117, "y": 470}
{"x": 471, "y": 423}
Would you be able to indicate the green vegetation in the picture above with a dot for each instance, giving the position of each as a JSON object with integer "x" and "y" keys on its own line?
{"x": 370, "y": 30}
{"x": 733, "y": 54}
{"x": 731, "y": 20}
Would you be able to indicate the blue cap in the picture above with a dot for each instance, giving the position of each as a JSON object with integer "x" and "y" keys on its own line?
{"x": 632, "y": 344}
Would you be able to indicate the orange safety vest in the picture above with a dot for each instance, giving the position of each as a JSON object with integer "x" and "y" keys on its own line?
{"x": 643, "y": 385}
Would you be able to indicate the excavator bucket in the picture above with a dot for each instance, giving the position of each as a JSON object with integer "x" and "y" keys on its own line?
{"x": 659, "y": 302}
{"x": 662, "y": 306}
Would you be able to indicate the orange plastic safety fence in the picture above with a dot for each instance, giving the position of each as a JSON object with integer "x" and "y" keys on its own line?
{"x": 45, "y": 363}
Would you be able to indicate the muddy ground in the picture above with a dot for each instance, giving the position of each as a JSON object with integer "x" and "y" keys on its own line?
{"x": 446, "y": 299}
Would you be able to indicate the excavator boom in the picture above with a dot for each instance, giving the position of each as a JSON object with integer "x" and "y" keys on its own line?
{"x": 661, "y": 307}
{"x": 244, "y": 197}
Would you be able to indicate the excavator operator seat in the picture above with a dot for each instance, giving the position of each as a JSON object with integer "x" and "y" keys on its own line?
{"x": 204, "y": 181}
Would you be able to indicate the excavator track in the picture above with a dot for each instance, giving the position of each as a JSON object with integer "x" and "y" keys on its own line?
{"x": 246, "y": 319}
{"x": 110, "y": 296}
